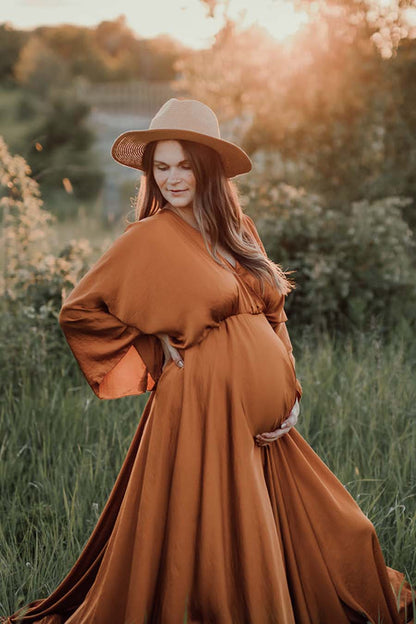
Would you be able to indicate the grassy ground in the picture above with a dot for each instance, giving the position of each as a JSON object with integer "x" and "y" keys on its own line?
{"x": 62, "y": 448}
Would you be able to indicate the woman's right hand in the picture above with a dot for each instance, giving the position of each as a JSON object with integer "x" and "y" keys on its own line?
{"x": 169, "y": 351}
{"x": 264, "y": 439}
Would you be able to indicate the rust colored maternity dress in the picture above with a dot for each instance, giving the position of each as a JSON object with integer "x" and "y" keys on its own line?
{"x": 202, "y": 520}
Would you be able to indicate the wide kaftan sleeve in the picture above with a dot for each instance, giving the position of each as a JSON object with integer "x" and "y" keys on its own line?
{"x": 105, "y": 316}
{"x": 274, "y": 311}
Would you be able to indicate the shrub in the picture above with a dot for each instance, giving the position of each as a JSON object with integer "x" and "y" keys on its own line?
{"x": 61, "y": 144}
{"x": 349, "y": 266}
{"x": 31, "y": 271}
{"x": 34, "y": 280}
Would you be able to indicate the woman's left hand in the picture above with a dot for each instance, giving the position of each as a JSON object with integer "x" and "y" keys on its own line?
{"x": 263, "y": 439}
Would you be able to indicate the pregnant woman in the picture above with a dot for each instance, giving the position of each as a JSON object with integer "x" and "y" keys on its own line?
{"x": 222, "y": 513}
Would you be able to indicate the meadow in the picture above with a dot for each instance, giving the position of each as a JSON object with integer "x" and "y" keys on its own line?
{"x": 61, "y": 447}
{"x": 334, "y": 201}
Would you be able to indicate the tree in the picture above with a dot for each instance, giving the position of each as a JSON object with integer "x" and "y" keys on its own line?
{"x": 109, "y": 51}
{"x": 38, "y": 67}
{"x": 326, "y": 103}
{"x": 386, "y": 23}
{"x": 11, "y": 42}
{"x": 76, "y": 46}
{"x": 158, "y": 56}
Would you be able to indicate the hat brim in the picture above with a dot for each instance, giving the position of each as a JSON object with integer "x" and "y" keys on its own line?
{"x": 128, "y": 148}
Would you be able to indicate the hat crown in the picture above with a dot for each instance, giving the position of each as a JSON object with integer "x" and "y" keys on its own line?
{"x": 190, "y": 115}
{"x": 176, "y": 120}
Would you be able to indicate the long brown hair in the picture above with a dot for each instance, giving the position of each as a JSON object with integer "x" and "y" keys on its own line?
{"x": 217, "y": 212}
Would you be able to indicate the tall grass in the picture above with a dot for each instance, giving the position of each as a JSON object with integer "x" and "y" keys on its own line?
{"x": 61, "y": 449}
{"x": 358, "y": 413}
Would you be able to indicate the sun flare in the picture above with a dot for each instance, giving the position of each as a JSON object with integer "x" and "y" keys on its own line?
{"x": 279, "y": 17}
{"x": 185, "y": 20}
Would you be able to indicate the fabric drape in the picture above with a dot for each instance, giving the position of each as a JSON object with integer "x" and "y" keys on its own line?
{"x": 202, "y": 524}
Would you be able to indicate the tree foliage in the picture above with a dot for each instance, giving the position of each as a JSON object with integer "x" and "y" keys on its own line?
{"x": 38, "y": 67}
{"x": 11, "y": 42}
{"x": 106, "y": 52}
{"x": 387, "y": 23}
{"x": 326, "y": 101}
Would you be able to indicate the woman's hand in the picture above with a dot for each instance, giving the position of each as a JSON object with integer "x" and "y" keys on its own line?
{"x": 263, "y": 439}
{"x": 169, "y": 351}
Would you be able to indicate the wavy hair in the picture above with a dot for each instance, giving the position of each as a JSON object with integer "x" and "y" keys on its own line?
{"x": 217, "y": 212}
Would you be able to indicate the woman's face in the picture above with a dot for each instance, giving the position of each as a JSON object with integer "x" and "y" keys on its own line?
{"x": 173, "y": 174}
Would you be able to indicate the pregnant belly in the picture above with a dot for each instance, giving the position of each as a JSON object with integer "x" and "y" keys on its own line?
{"x": 244, "y": 361}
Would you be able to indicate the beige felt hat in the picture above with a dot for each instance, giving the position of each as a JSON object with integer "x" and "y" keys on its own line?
{"x": 181, "y": 119}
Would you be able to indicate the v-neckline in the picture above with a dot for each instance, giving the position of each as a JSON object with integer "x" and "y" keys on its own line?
{"x": 200, "y": 237}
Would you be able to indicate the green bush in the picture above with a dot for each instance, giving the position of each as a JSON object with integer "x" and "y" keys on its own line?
{"x": 349, "y": 267}
{"x": 34, "y": 280}
{"x": 60, "y": 148}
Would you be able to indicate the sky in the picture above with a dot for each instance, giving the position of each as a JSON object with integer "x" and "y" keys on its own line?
{"x": 186, "y": 20}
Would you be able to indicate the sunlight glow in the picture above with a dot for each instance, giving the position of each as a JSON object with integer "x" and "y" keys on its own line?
{"x": 185, "y": 20}
{"x": 277, "y": 16}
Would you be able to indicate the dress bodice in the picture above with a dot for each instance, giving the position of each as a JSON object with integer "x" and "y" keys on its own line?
{"x": 157, "y": 277}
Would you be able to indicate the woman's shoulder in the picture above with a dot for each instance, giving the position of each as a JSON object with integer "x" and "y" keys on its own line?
{"x": 144, "y": 239}
{"x": 147, "y": 224}
{"x": 154, "y": 222}
{"x": 156, "y": 230}
{"x": 148, "y": 231}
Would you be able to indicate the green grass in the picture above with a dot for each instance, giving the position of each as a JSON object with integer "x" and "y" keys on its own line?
{"x": 61, "y": 449}
{"x": 358, "y": 413}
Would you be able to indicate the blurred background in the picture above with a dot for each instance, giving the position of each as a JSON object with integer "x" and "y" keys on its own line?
{"x": 322, "y": 95}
